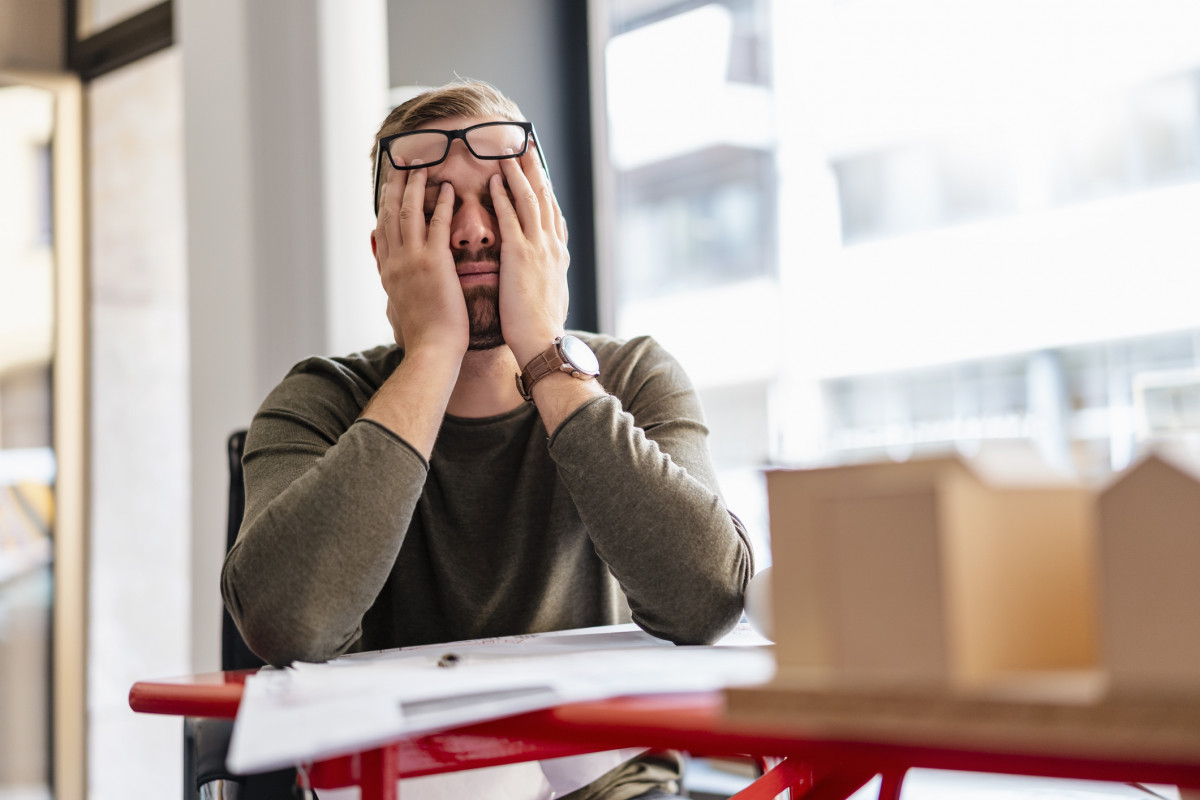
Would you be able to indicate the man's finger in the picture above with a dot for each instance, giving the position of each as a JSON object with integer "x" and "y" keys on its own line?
{"x": 525, "y": 199}
{"x": 381, "y": 248}
{"x": 412, "y": 207}
{"x": 391, "y": 196}
{"x": 443, "y": 213}
{"x": 560, "y": 224}
{"x": 388, "y": 223}
{"x": 506, "y": 215}
{"x": 539, "y": 181}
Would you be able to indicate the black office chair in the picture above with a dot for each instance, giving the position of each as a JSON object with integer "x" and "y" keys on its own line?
{"x": 205, "y": 740}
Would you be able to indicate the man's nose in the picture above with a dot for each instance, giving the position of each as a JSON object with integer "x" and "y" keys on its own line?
{"x": 474, "y": 226}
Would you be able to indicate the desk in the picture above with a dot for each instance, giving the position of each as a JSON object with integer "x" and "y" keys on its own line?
{"x": 818, "y": 768}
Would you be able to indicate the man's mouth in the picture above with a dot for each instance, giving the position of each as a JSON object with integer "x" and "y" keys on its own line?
{"x": 478, "y": 268}
{"x": 473, "y": 265}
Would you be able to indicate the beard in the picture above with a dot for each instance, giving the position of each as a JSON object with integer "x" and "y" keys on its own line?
{"x": 483, "y": 312}
{"x": 483, "y": 304}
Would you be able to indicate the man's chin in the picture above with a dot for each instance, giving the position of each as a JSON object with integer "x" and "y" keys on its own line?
{"x": 485, "y": 341}
{"x": 483, "y": 310}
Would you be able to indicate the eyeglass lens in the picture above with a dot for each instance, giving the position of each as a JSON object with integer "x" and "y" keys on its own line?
{"x": 491, "y": 141}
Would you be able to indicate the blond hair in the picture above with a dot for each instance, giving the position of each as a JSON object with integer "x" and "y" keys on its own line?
{"x": 459, "y": 99}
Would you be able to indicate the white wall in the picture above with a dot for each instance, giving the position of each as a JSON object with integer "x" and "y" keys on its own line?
{"x": 139, "y": 597}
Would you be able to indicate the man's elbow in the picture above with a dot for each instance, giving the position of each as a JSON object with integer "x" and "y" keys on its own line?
{"x": 703, "y": 621}
{"x": 279, "y": 643}
{"x": 279, "y": 634}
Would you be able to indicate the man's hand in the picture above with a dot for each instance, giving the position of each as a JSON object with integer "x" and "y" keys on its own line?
{"x": 425, "y": 300}
{"x": 533, "y": 281}
{"x": 425, "y": 306}
{"x": 533, "y": 257}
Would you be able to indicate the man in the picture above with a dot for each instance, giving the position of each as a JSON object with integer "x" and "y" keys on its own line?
{"x": 477, "y": 478}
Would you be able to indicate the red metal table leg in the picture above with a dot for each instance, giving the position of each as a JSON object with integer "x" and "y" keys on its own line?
{"x": 375, "y": 772}
{"x": 787, "y": 774}
{"x": 893, "y": 780}
{"x": 380, "y": 770}
{"x": 838, "y": 784}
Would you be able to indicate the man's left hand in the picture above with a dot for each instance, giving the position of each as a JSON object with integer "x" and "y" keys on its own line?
{"x": 533, "y": 257}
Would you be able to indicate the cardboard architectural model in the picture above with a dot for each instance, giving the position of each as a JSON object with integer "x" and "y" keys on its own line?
{"x": 924, "y": 574}
{"x": 1149, "y": 544}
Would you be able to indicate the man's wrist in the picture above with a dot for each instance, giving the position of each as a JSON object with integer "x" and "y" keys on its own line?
{"x": 530, "y": 347}
{"x": 436, "y": 354}
{"x": 412, "y": 401}
{"x": 566, "y": 355}
{"x": 436, "y": 366}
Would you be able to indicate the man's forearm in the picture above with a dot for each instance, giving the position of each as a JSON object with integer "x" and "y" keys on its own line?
{"x": 323, "y": 526}
{"x": 412, "y": 401}
{"x": 680, "y": 557}
{"x": 315, "y": 550}
{"x": 559, "y": 395}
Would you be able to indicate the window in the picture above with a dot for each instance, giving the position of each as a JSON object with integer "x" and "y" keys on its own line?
{"x": 868, "y": 231}
{"x": 695, "y": 212}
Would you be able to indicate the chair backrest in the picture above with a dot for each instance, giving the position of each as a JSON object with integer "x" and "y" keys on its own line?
{"x": 234, "y": 652}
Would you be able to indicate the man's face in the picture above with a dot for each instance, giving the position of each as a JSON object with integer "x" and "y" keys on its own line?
{"x": 474, "y": 231}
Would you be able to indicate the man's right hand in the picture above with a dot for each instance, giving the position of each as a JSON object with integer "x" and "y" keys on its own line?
{"x": 425, "y": 306}
{"x": 425, "y": 300}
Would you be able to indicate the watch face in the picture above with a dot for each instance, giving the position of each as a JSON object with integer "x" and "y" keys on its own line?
{"x": 579, "y": 355}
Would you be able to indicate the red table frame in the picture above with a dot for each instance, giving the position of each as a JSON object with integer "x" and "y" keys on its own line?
{"x": 813, "y": 768}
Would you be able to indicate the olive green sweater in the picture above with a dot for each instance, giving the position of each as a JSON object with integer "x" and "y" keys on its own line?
{"x": 352, "y": 541}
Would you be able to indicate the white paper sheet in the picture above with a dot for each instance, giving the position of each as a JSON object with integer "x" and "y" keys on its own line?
{"x": 313, "y": 711}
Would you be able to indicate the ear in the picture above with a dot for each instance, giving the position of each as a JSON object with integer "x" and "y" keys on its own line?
{"x": 375, "y": 254}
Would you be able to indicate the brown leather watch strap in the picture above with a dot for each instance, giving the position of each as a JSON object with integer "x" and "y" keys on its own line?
{"x": 541, "y": 365}
{"x": 568, "y": 354}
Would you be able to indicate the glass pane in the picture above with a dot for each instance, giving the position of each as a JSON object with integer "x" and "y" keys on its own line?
{"x": 27, "y": 465}
{"x": 695, "y": 213}
{"x": 97, "y": 15}
{"x": 941, "y": 250}
{"x": 496, "y": 140}
{"x": 428, "y": 147}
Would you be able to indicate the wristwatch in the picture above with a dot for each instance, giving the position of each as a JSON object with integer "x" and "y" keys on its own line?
{"x": 567, "y": 354}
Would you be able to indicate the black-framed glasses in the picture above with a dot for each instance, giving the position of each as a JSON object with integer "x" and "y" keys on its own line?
{"x": 487, "y": 141}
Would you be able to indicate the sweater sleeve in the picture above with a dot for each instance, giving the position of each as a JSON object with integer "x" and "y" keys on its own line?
{"x": 307, "y": 565}
{"x": 636, "y": 464}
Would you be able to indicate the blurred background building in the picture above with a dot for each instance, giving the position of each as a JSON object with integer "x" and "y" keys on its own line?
{"x": 868, "y": 229}
{"x": 876, "y": 230}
